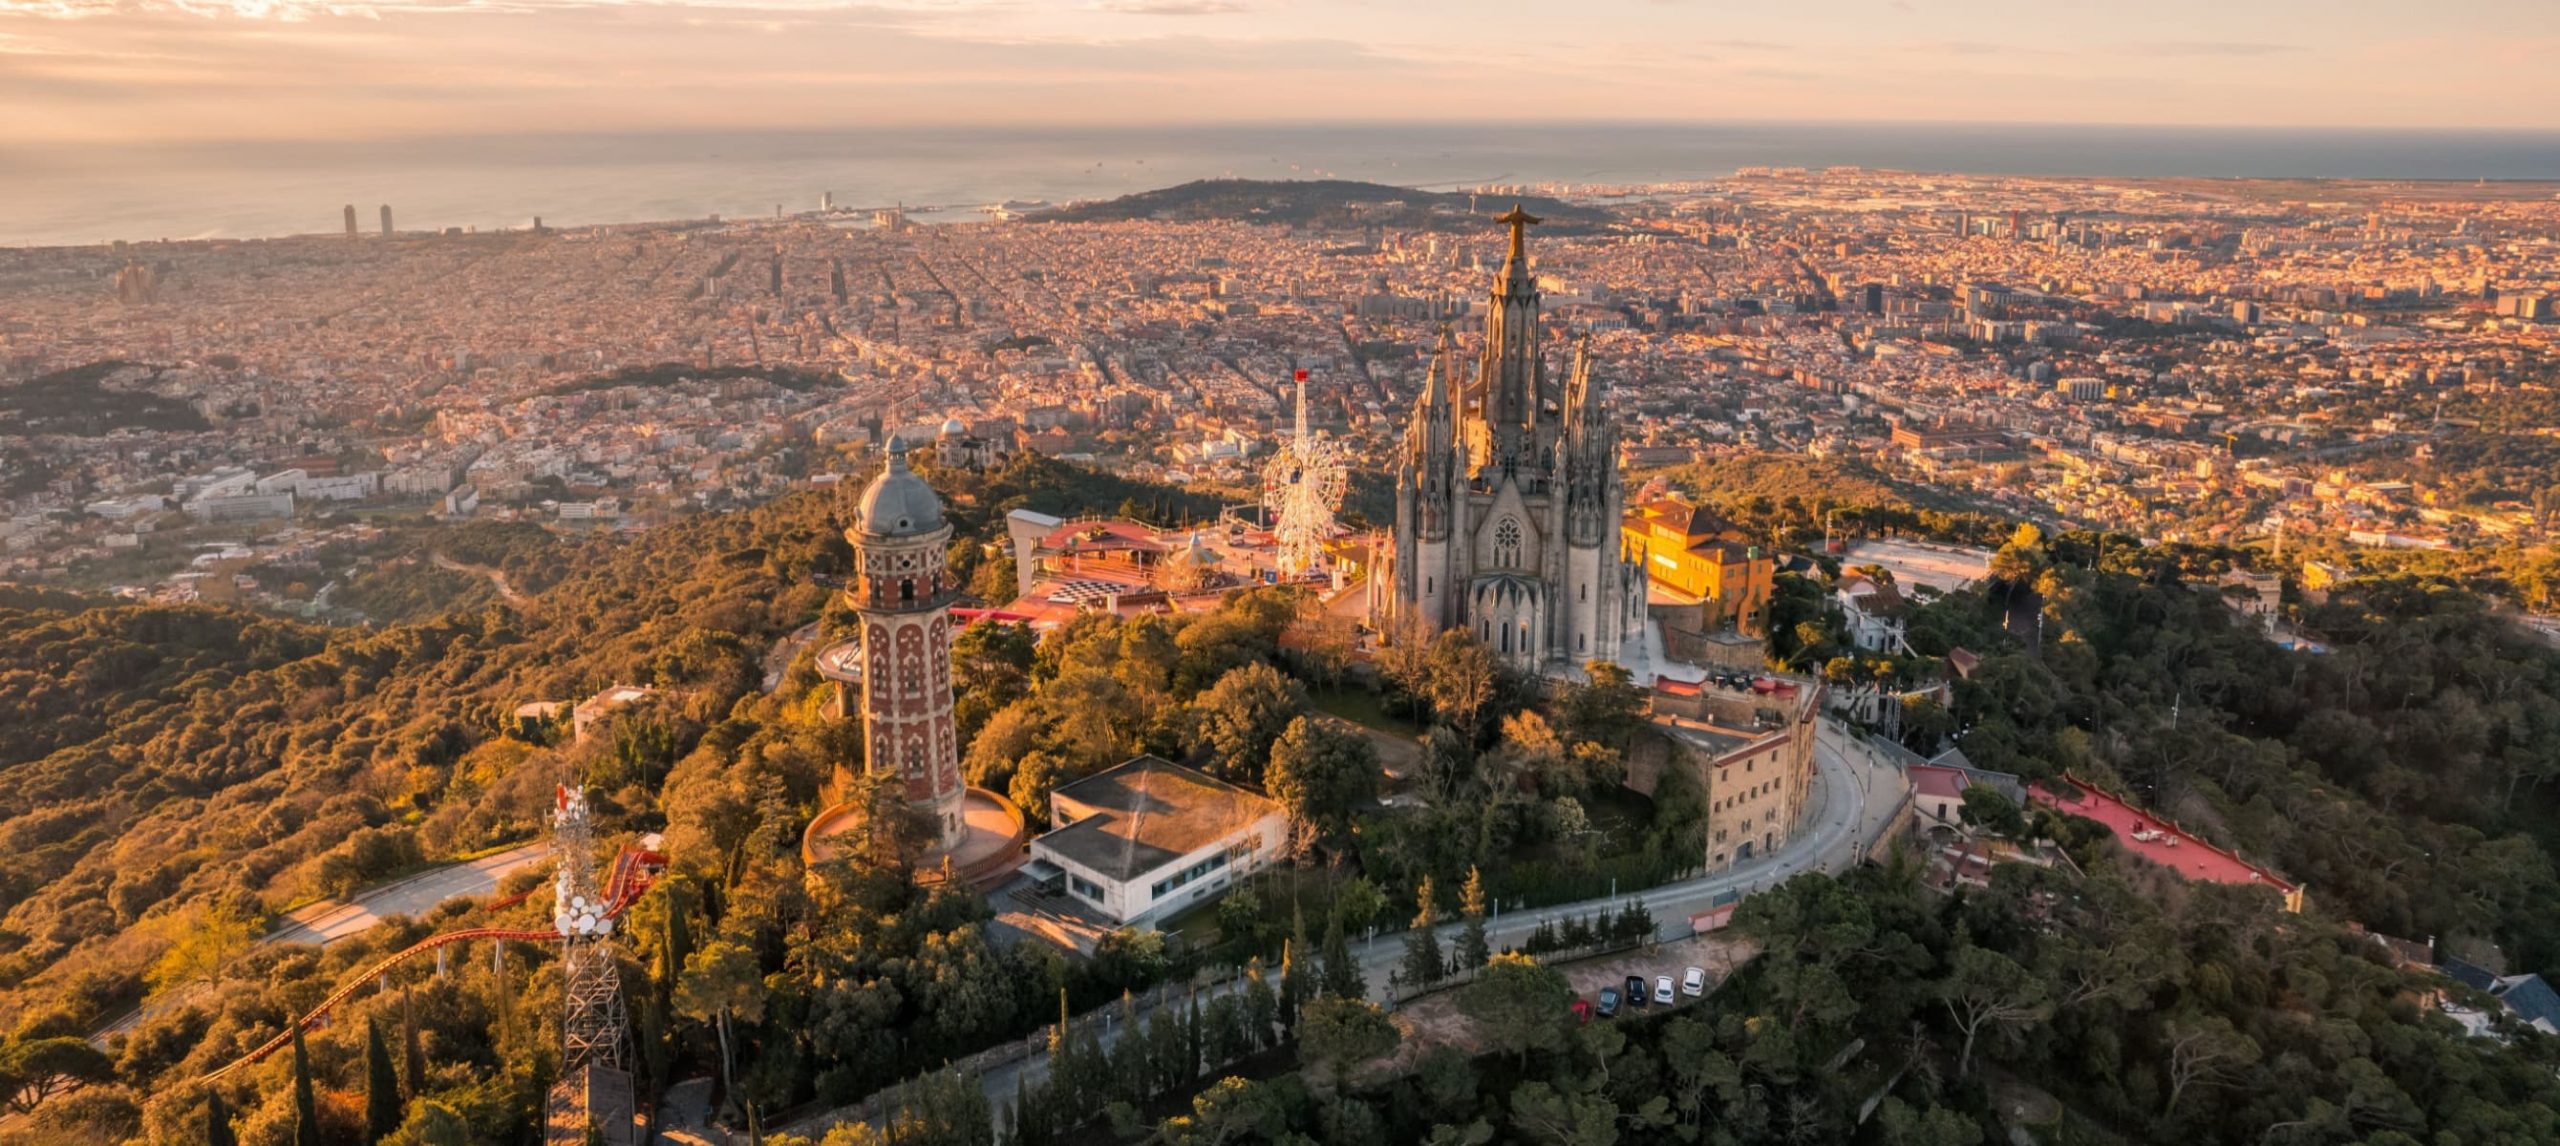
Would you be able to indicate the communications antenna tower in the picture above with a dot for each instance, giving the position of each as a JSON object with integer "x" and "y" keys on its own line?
{"x": 592, "y": 1021}
{"x": 1301, "y": 488}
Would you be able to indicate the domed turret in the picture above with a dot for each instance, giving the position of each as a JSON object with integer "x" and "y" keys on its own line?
{"x": 899, "y": 503}
{"x": 954, "y": 428}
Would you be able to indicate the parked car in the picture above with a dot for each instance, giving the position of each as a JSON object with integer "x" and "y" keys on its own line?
{"x": 1662, "y": 992}
{"x": 1694, "y": 983}
{"x": 1636, "y": 994}
{"x": 1608, "y": 1002}
{"x": 1581, "y": 1013}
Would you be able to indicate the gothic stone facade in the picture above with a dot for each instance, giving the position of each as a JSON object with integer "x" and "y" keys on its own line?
{"x": 1508, "y": 499}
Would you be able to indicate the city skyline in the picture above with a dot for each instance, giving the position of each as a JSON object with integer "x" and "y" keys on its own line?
{"x": 163, "y": 71}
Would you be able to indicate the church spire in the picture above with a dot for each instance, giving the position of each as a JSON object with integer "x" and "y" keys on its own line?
{"x": 1436, "y": 380}
{"x": 1511, "y": 375}
{"x": 1583, "y": 397}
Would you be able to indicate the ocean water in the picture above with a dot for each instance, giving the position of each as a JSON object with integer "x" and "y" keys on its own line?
{"x": 90, "y": 195}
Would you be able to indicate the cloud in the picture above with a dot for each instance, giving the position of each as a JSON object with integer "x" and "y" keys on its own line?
{"x": 297, "y": 11}
{"x": 1173, "y": 7}
{"x": 2208, "y": 48}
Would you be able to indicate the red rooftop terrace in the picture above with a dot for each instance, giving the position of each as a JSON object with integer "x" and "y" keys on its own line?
{"x": 2162, "y": 841}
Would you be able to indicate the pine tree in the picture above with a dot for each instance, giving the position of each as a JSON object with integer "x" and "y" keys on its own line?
{"x": 1341, "y": 975}
{"x": 1473, "y": 948}
{"x": 1422, "y": 960}
{"x": 217, "y": 1123}
{"x": 306, "y": 1104}
{"x": 382, "y": 1105}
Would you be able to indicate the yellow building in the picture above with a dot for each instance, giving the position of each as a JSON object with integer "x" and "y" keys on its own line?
{"x": 1692, "y": 552}
{"x": 1749, "y": 745}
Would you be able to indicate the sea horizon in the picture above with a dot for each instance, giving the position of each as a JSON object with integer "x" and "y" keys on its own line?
{"x": 66, "y": 195}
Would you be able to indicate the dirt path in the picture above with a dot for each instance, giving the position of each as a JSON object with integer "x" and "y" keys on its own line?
{"x": 497, "y": 578}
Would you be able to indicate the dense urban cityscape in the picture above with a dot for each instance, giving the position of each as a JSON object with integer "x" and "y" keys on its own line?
{"x": 1809, "y": 655}
{"x": 2213, "y": 362}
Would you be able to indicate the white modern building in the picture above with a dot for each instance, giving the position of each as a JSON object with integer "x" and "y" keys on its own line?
{"x": 1148, "y": 838}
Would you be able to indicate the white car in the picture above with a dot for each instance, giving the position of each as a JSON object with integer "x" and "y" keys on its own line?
{"x": 1662, "y": 992}
{"x": 1694, "y": 983}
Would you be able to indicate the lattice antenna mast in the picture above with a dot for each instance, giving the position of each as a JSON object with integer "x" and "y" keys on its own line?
{"x": 592, "y": 1022}
{"x": 1302, "y": 487}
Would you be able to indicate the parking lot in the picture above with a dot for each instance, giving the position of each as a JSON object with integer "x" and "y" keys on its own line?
{"x": 1435, "y": 1021}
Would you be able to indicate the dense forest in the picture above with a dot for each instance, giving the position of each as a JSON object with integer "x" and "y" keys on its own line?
{"x": 1788, "y": 501}
{"x": 187, "y": 773}
{"x": 2410, "y": 774}
{"x": 180, "y": 771}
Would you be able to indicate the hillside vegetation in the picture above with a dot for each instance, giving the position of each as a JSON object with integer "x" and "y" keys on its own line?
{"x": 1334, "y": 203}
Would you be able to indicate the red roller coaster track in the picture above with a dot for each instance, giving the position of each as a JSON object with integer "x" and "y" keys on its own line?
{"x": 634, "y": 872}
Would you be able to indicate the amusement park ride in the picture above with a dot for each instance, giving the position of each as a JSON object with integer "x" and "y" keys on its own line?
{"x": 593, "y": 1023}
{"x": 1301, "y": 488}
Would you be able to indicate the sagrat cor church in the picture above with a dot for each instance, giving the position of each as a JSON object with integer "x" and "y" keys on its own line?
{"x": 1508, "y": 499}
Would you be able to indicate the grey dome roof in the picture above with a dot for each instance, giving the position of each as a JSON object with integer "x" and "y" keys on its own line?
{"x": 900, "y": 504}
{"x": 954, "y": 428}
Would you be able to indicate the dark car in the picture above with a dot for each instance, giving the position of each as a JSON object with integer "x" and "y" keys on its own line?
{"x": 1635, "y": 991}
{"x": 1608, "y": 1002}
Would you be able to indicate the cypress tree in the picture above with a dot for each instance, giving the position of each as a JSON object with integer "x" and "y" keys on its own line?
{"x": 1065, "y": 1073}
{"x": 1261, "y": 1007}
{"x": 411, "y": 1051}
{"x": 306, "y": 1105}
{"x": 1293, "y": 988}
{"x": 1473, "y": 948}
{"x": 382, "y": 1103}
{"x": 1128, "y": 1055}
{"x": 1422, "y": 960}
{"x": 1193, "y": 1040}
{"x": 1341, "y": 975}
{"x": 217, "y": 1123}
{"x": 1029, "y": 1128}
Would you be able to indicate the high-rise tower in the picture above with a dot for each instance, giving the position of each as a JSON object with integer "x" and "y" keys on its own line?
{"x": 351, "y": 220}
{"x": 903, "y": 593}
{"x": 386, "y": 220}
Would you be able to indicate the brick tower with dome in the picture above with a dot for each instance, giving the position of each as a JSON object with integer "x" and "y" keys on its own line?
{"x": 902, "y": 592}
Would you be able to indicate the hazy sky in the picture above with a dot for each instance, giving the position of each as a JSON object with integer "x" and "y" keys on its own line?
{"x": 155, "y": 70}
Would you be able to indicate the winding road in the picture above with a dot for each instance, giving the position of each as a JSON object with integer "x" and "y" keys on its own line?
{"x": 1858, "y": 795}
{"x": 331, "y": 920}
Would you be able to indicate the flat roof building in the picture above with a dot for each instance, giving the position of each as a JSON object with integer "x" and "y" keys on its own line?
{"x": 1147, "y": 838}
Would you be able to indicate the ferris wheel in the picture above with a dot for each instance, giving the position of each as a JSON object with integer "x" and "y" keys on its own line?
{"x": 1301, "y": 488}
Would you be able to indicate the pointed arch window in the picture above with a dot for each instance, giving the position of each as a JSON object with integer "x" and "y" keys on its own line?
{"x": 1506, "y": 544}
